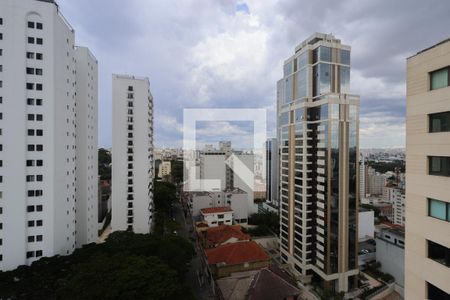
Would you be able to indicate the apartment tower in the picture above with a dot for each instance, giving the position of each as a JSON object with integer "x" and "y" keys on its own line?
{"x": 41, "y": 149}
{"x": 427, "y": 205}
{"x": 319, "y": 170}
{"x": 132, "y": 154}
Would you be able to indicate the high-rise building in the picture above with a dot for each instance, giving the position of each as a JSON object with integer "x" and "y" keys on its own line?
{"x": 86, "y": 122}
{"x": 272, "y": 181}
{"x": 132, "y": 154}
{"x": 427, "y": 252}
{"x": 43, "y": 203}
{"x": 318, "y": 140}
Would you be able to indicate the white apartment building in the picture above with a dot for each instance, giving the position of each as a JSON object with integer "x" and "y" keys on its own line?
{"x": 164, "y": 169}
{"x": 427, "y": 252}
{"x": 376, "y": 182}
{"x": 132, "y": 154}
{"x": 40, "y": 149}
{"x": 396, "y": 196}
{"x": 86, "y": 149}
{"x": 216, "y": 216}
{"x": 235, "y": 199}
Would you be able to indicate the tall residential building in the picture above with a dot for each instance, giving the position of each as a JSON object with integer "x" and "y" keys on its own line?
{"x": 44, "y": 203}
{"x": 272, "y": 181}
{"x": 132, "y": 154}
{"x": 427, "y": 255}
{"x": 86, "y": 172}
{"x": 363, "y": 177}
{"x": 318, "y": 139}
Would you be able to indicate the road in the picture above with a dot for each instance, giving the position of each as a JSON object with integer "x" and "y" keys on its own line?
{"x": 192, "y": 279}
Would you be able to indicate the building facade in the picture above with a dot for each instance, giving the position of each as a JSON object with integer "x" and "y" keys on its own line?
{"x": 41, "y": 150}
{"x": 132, "y": 154}
{"x": 272, "y": 179}
{"x": 164, "y": 169}
{"x": 427, "y": 255}
{"x": 319, "y": 164}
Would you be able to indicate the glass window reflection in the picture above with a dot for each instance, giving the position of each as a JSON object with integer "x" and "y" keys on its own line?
{"x": 345, "y": 79}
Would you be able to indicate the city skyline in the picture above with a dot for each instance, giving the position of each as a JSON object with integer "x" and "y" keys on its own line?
{"x": 228, "y": 55}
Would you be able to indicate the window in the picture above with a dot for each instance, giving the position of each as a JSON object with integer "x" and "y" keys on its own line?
{"x": 39, "y": 117}
{"x": 439, "y": 122}
{"x": 31, "y": 194}
{"x": 439, "y": 79}
{"x": 30, "y": 132}
{"x": 39, "y": 147}
{"x": 30, "y": 71}
{"x": 39, "y": 177}
{"x": 30, "y": 148}
{"x": 30, "y": 101}
{"x": 30, "y": 24}
{"x": 39, "y": 223}
{"x": 39, "y": 132}
{"x": 39, "y": 162}
{"x": 30, "y": 254}
{"x": 30, "y": 163}
{"x": 130, "y": 88}
{"x": 1, "y": 36}
{"x": 39, "y": 26}
{"x": 30, "y": 178}
{"x": 39, "y": 72}
{"x": 439, "y": 209}
{"x": 30, "y": 40}
{"x": 439, "y": 165}
{"x": 39, "y": 238}
{"x": 38, "y": 207}
{"x": 435, "y": 293}
{"x": 30, "y": 117}
{"x": 1, "y": 21}
{"x": 31, "y": 223}
{"x": 439, "y": 253}
{"x": 39, "y": 41}
{"x": 30, "y": 238}
{"x": 38, "y": 102}
{"x": 130, "y": 95}
{"x": 39, "y": 56}
{"x": 30, "y": 55}
{"x": 38, "y": 253}
{"x": 39, "y": 86}
{"x": 30, "y": 86}
{"x": 1, "y": 68}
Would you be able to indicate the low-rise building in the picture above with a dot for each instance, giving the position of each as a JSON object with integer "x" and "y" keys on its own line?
{"x": 236, "y": 199}
{"x": 236, "y": 257}
{"x": 164, "y": 169}
{"x": 215, "y": 216}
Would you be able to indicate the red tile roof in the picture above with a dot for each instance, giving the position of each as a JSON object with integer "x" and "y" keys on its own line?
{"x": 236, "y": 253}
{"x": 211, "y": 210}
{"x": 222, "y": 233}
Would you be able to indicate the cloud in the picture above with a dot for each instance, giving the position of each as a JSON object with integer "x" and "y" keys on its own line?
{"x": 229, "y": 53}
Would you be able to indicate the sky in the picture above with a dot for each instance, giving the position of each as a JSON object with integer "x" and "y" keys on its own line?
{"x": 229, "y": 54}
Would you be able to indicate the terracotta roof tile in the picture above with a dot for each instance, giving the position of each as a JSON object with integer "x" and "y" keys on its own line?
{"x": 236, "y": 253}
{"x": 222, "y": 233}
{"x": 210, "y": 210}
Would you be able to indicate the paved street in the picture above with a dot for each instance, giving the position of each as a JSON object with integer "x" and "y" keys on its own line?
{"x": 200, "y": 292}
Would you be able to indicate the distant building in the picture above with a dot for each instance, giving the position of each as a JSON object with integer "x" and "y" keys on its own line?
{"x": 376, "y": 182}
{"x": 132, "y": 155}
{"x": 216, "y": 216}
{"x": 428, "y": 174}
{"x": 221, "y": 235}
{"x": 390, "y": 252}
{"x": 396, "y": 196}
{"x": 164, "y": 169}
{"x": 386, "y": 210}
{"x": 272, "y": 178}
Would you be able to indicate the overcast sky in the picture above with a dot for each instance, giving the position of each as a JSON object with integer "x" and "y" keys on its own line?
{"x": 225, "y": 53}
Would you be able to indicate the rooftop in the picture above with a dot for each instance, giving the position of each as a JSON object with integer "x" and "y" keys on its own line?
{"x": 268, "y": 283}
{"x": 222, "y": 233}
{"x": 215, "y": 210}
{"x": 431, "y": 47}
{"x": 236, "y": 253}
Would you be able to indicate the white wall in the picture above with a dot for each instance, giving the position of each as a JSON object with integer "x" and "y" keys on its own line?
{"x": 142, "y": 157}
{"x": 366, "y": 224}
{"x": 87, "y": 146}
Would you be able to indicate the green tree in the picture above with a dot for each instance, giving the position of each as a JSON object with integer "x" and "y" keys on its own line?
{"x": 177, "y": 170}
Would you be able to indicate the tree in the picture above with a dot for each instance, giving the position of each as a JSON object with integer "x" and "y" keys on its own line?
{"x": 269, "y": 219}
{"x": 177, "y": 170}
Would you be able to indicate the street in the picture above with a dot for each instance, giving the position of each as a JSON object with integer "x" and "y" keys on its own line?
{"x": 192, "y": 279}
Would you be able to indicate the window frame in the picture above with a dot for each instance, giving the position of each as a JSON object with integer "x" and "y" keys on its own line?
{"x": 430, "y": 76}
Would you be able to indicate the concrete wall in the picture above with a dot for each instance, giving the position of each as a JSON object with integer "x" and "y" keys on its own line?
{"x": 366, "y": 224}
{"x": 392, "y": 259}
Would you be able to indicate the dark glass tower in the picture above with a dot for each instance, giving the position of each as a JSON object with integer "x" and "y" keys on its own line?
{"x": 318, "y": 139}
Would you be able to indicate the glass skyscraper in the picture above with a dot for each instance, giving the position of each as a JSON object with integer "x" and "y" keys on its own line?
{"x": 318, "y": 128}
